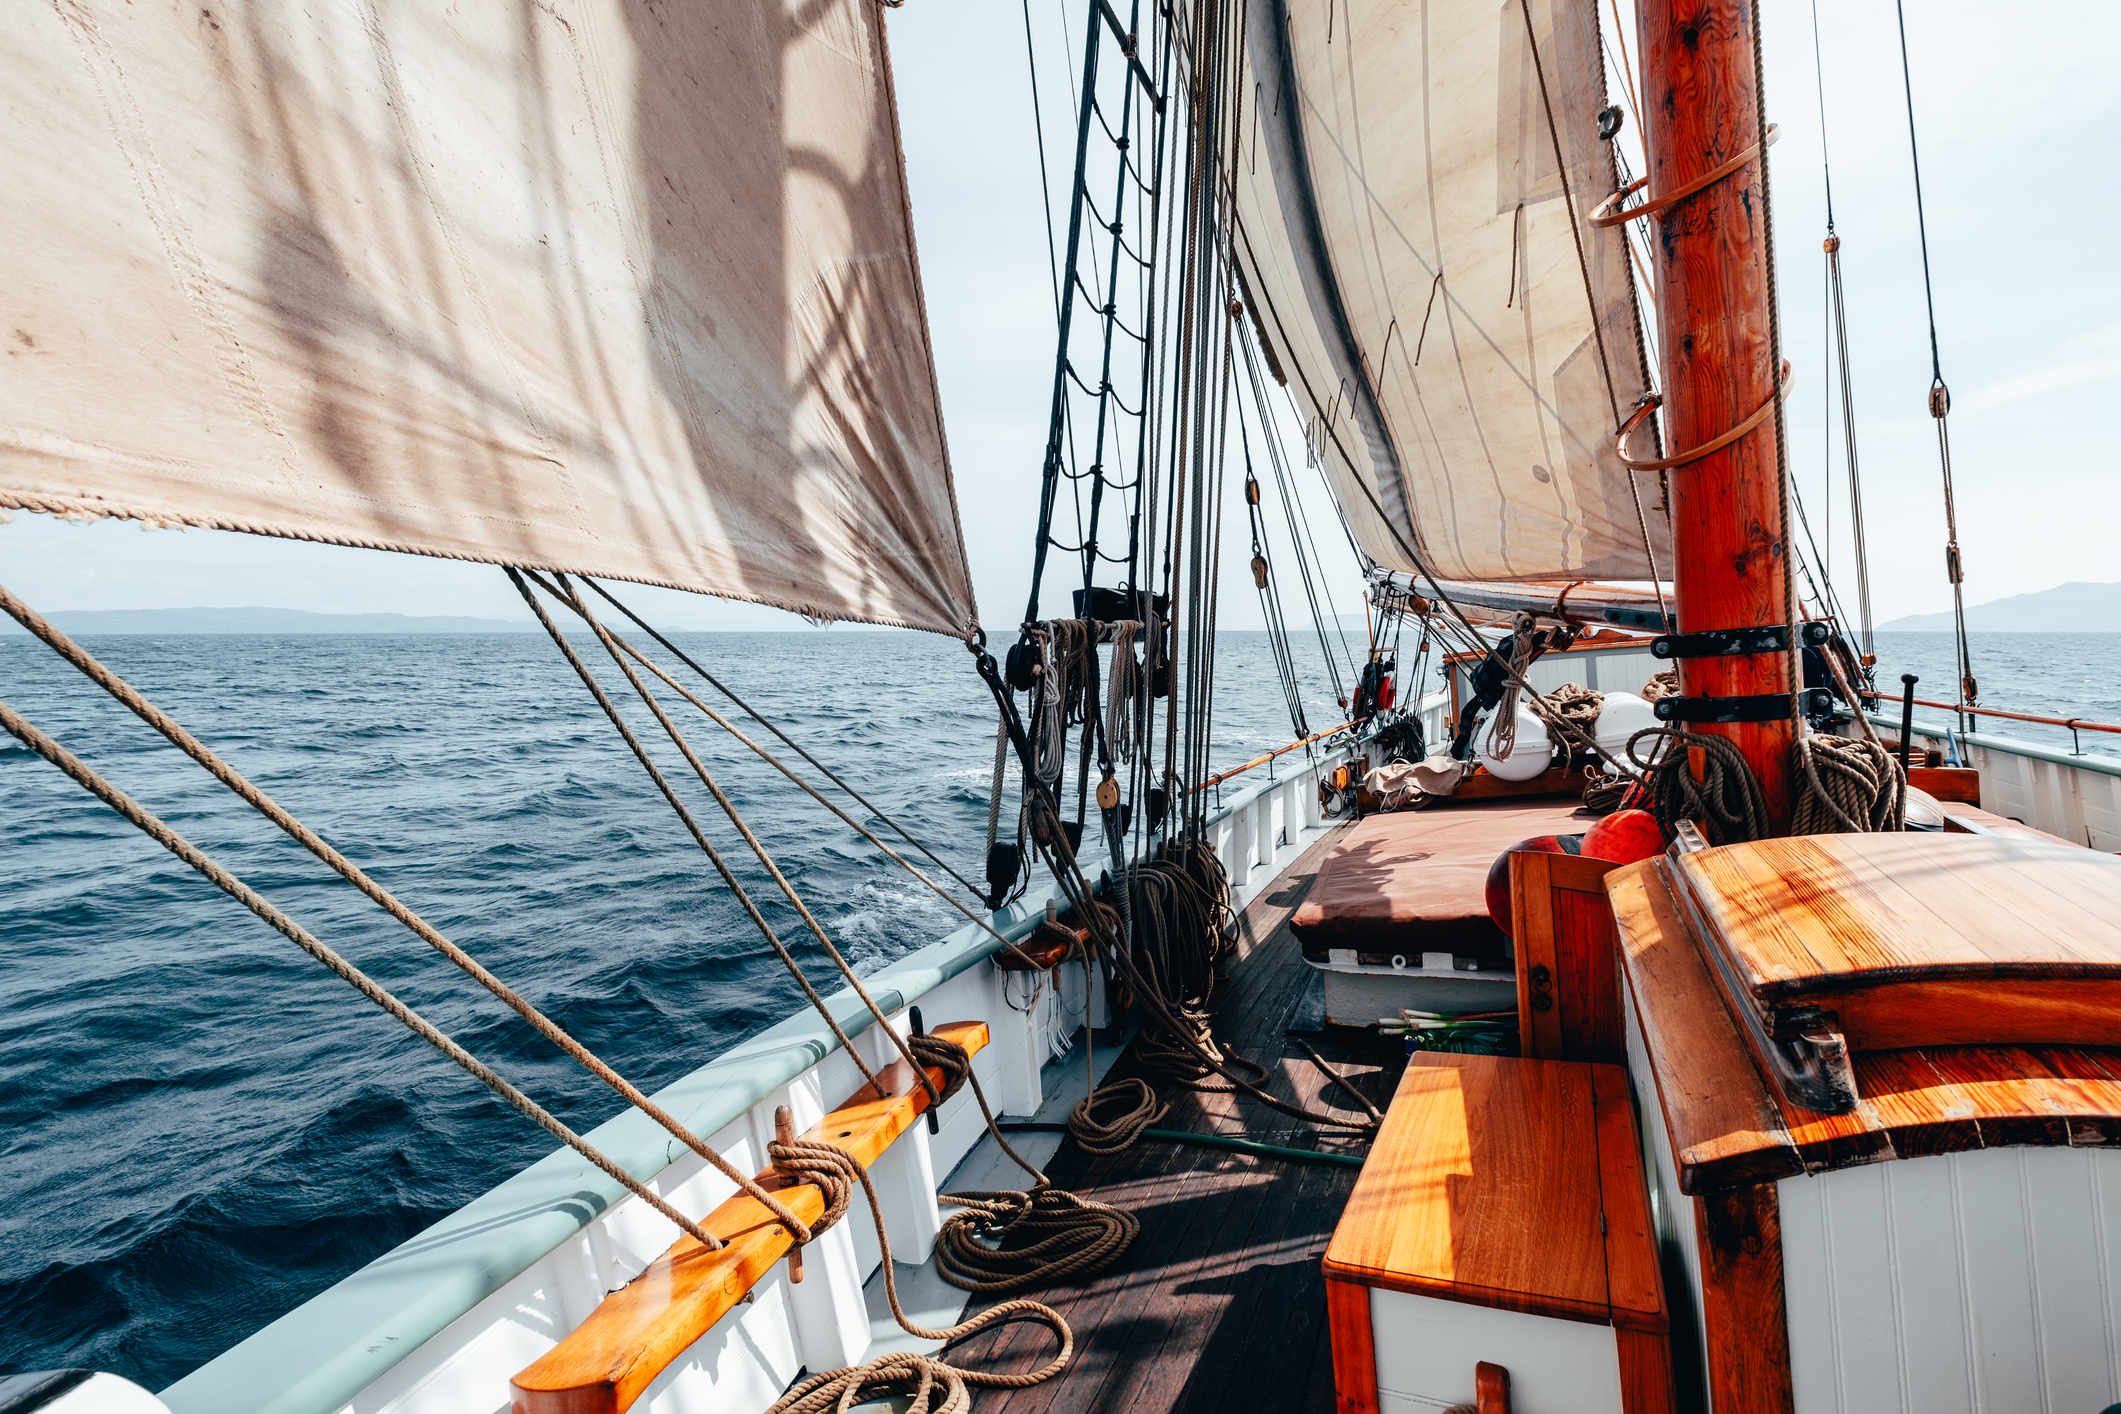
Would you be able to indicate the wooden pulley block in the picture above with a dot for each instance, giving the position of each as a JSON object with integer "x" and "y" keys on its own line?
{"x": 1108, "y": 794}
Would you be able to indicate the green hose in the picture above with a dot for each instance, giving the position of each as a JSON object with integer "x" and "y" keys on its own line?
{"x": 1214, "y": 1141}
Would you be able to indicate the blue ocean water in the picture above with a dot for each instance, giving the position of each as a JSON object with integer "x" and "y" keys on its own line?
{"x": 2043, "y": 674}
{"x": 200, "y": 1127}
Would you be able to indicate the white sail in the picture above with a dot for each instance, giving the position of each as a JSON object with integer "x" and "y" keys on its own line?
{"x": 603, "y": 285}
{"x": 1465, "y": 422}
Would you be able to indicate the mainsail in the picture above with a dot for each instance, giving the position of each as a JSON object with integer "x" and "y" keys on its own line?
{"x": 1412, "y": 182}
{"x": 600, "y": 285}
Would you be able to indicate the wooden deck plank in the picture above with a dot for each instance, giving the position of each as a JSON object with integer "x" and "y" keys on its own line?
{"x": 1214, "y": 1305}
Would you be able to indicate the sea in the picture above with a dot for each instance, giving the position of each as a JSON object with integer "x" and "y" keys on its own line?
{"x": 200, "y": 1128}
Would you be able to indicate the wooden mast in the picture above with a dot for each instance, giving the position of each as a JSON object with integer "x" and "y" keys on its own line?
{"x": 1729, "y": 520}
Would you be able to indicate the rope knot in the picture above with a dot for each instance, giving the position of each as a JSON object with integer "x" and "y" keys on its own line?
{"x": 945, "y": 1055}
{"x": 832, "y": 1170}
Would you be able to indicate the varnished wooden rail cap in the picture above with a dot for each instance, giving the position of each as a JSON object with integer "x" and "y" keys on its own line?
{"x": 603, "y": 1365}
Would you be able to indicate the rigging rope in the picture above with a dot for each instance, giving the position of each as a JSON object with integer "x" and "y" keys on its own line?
{"x": 986, "y": 925}
{"x": 134, "y": 701}
{"x": 1940, "y": 401}
{"x": 748, "y": 710}
{"x": 150, "y": 825}
{"x": 1086, "y": 1235}
{"x": 692, "y": 827}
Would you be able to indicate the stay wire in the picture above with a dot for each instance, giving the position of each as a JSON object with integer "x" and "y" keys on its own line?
{"x": 521, "y": 579}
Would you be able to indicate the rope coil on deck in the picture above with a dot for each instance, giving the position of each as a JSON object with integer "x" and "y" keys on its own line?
{"x": 924, "y": 1377}
{"x": 1111, "y": 1132}
{"x": 1072, "y": 1236}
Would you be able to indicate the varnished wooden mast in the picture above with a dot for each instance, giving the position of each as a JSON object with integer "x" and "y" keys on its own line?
{"x": 1729, "y": 520}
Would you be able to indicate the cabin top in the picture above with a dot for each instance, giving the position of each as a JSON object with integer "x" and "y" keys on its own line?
{"x": 1476, "y": 1152}
{"x": 1728, "y": 1126}
{"x": 1815, "y": 917}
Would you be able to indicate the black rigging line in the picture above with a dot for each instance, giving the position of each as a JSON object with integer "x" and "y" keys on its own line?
{"x": 1825, "y": 162}
{"x": 1045, "y": 185}
{"x": 1929, "y": 298}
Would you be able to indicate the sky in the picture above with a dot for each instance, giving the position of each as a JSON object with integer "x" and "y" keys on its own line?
{"x": 2015, "y": 109}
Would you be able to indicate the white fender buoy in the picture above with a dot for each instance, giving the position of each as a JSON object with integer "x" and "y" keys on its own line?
{"x": 1620, "y": 716}
{"x": 1529, "y": 755}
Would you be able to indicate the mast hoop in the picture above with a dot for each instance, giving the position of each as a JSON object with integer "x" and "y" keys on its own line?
{"x": 1607, "y": 212}
{"x": 1694, "y": 454}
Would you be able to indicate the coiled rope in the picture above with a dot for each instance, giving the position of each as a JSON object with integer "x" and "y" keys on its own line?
{"x": 935, "y": 1385}
{"x": 1098, "y": 1128}
{"x": 1574, "y": 708}
{"x": 1847, "y": 785}
{"x": 1502, "y": 731}
{"x": 1726, "y": 802}
{"x": 1843, "y": 785}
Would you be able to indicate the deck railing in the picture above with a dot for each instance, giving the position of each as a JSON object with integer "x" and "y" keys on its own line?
{"x": 2074, "y": 724}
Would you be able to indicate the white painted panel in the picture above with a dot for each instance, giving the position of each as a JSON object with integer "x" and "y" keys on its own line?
{"x": 1975, "y": 1283}
{"x": 1407, "y": 1404}
{"x": 2060, "y": 1193}
{"x": 104, "y": 1393}
{"x": 1672, "y": 1216}
{"x": 1427, "y": 1348}
{"x": 1935, "y": 1361}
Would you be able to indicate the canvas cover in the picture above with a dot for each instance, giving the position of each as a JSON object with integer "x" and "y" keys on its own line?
{"x": 615, "y": 286}
{"x": 1465, "y": 422}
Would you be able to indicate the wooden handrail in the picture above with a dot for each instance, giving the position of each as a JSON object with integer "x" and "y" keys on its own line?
{"x": 2073, "y": 723}
{"x": 605, "y": 1363}
{"x": 1278, "y": 751}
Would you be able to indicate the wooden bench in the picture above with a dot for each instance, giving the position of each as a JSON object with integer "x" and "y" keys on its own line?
{"x": 604, "y": 1364}
{"x": 1501, "y": 1219}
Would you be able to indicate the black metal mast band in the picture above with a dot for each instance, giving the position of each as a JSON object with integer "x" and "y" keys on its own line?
{"x": 1765, "y": 707}
{"x": 1738, "y": 642}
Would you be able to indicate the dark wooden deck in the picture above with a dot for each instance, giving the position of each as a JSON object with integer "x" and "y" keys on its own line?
{"x": 1219, "y": 1304}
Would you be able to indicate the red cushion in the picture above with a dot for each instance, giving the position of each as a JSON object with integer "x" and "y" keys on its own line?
{"x": 1415, "y": 881}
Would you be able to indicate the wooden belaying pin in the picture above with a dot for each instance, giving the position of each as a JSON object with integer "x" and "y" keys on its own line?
{"x": 784, "y": 1133}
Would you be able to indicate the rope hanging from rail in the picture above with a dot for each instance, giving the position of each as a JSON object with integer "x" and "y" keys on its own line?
{"x": 935, "y": 1385}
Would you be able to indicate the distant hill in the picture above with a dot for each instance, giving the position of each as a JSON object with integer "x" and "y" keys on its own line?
{"x": 268, "y": 621}
{"x": 2067, "y": 608}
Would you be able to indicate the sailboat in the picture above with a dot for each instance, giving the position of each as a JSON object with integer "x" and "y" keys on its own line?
{"x": 1813, "y": 1103}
